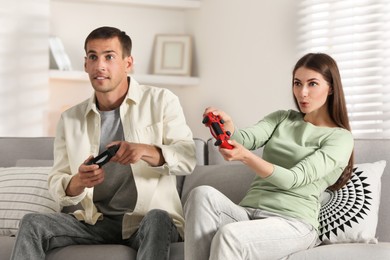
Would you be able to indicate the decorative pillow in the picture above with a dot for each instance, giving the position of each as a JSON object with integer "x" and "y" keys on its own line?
{"x": 23, "y": 190}
{"x": 350, "y": 215}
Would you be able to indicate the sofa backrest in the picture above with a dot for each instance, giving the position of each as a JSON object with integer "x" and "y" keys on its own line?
{"x": 14, "y": 149}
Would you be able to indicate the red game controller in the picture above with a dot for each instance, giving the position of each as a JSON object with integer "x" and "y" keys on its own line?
{"x": 215, "y": 123}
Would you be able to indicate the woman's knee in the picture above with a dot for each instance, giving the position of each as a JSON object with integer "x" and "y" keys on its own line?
{"x": 200, "y": 194}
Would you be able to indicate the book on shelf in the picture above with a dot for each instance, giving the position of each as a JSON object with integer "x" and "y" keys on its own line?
{"x": 59, "y": 59}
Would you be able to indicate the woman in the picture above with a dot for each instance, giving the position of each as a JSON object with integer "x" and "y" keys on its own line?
{"x": 304, "y": 153}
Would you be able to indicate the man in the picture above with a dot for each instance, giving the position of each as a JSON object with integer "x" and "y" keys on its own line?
{"x": 132, "y": 200}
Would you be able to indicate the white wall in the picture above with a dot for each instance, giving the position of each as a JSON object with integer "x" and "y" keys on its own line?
{"x": 73, "y": 21}
{"x": 244, "y": 52}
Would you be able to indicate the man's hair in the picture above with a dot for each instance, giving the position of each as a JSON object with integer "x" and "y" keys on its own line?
{"x": 107, "y": 32}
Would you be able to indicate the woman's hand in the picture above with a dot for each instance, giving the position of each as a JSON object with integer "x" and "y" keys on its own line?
{"x": 228, "y": 124}
{"x": 238, "y": 153}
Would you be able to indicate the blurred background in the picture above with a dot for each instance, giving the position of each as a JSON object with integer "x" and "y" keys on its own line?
{"x": 243, "y": 53}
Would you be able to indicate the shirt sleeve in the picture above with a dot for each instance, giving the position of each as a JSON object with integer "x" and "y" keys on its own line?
{"x": 60, "y": 175}
{"x": 178, "y": 146}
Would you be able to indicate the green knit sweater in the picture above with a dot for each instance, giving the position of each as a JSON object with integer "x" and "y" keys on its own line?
{"x": 307, "y": 159}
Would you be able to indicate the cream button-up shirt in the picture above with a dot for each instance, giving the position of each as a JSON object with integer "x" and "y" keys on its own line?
{"x": 149, "y": 115}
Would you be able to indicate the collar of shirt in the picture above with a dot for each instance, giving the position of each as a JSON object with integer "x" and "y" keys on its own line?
{"x": 133, "y": 95}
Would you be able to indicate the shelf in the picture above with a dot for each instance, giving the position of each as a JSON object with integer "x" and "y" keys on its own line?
{"x": 158, "y": 80}
{"x": 175, "y": 4}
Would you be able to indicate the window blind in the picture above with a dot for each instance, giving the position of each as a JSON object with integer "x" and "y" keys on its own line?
{"x": 356, "y": 33}
{"x": 24, "y": 63}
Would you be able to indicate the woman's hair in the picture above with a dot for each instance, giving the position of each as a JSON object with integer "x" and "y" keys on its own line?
{"x": 327, "y": 67}
{"x": 107, "y": 32}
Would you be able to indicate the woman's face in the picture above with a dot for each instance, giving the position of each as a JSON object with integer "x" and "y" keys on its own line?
{"x": 311, "y": 91}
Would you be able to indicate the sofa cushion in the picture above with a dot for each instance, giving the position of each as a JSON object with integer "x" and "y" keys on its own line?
{"x": 96, "y": 252}
{"x": 351, "y": 213}
{"x": 103, "y": 252}
{"x": 355, "y": 251}
{"x": 23, "y": 190}
{"x": 6, "y": 245}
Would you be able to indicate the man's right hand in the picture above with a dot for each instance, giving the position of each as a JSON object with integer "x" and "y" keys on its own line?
{"x": 87, "y": 177}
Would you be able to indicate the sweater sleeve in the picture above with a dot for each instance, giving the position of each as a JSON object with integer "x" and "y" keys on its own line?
{"x": 330, "y": 158}
{"x": 257, "y": 135}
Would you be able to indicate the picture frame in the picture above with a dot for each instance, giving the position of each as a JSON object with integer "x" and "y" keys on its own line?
{"x": 59, "y": 59}
{"x": 172, "y": 55}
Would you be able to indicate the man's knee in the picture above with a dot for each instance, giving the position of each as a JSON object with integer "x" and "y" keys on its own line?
{"x": 31, "y": 224}
{"x": 157, "y": 214}
{"x": 156, "y": 223}
{"x": 32, "y": 219}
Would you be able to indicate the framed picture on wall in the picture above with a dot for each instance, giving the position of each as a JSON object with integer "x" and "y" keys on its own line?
{"x": 172, "y": 55}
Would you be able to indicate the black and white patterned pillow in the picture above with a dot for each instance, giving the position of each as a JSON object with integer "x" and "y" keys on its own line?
{"x": 351, "y": 213}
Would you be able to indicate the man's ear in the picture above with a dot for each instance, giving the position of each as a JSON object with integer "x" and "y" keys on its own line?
{"x": 129, "y": 64}
{"x": 85, "y": 64}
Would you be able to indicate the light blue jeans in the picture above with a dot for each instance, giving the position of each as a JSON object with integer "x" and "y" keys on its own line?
{"x": 39, "y": 233}
{"x": 218, "y": 229}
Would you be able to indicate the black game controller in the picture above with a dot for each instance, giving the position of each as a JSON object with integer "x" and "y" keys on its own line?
{"x": 104, "y": 157}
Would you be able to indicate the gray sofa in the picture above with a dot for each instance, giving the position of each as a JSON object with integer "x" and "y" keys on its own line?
{"x": 232, "y": 179}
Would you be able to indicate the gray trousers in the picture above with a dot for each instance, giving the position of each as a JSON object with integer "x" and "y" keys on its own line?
{"x": 218, "y": 229}
{"x": 39, "y": 233}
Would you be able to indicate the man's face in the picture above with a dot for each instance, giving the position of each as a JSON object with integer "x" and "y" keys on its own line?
{"x": 105, "y": 65}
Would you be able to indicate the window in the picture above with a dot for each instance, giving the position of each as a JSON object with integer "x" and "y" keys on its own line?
{"x": 356, "y": 33}
{"x": 24, "y": 63}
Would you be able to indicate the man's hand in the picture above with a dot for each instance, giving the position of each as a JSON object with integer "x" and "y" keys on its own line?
{"x": 129, "y": 153}
{"x": 87, "y": 177}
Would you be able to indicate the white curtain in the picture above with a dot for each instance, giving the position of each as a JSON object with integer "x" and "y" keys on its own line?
{"x": 357, "y": 34}
{"x": 24, "y": 63}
